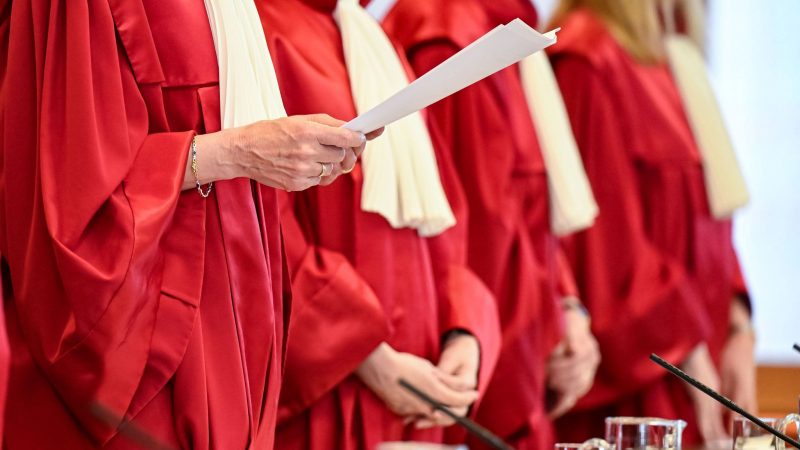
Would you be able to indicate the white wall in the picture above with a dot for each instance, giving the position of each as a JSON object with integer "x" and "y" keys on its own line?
{"x": 754, "y": 54}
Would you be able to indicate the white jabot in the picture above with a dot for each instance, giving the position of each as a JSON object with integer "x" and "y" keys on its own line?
{"x": 248, "y": 85}
{"x": 572, "y": 204}
{"x": 401, "y": 178}
{"x": 725, "y": 185}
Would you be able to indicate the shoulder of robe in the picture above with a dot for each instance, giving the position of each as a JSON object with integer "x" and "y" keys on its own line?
{"x": 415, "y": 22}
{"x": 583, "y": 35}
{"x": 160, "y": 38}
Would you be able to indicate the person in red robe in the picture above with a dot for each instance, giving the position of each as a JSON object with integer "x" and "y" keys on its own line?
{"x": 129, "y": 297}
{"x": 492, "y": 136}
{"x": 373, "y": 303}
{"x": 657, "y": 271}
{"x": 4, "y": 361}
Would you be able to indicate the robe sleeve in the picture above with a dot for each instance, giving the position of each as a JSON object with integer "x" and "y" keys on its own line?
{"x": 337, "y": 319}
{"x": 640, "y": 299}
{"x": 566, "y": 280}
{"x": 105, "y": 262}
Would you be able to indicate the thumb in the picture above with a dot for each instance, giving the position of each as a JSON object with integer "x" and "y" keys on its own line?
{"x": 564, "y": 404}
{"x": 449, "y": 362}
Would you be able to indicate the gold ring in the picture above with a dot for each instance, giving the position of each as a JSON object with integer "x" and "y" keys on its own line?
{"x": 327, "y": 170}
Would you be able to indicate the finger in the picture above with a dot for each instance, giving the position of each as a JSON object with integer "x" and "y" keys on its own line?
{"x": 459, "y": 383}
{"x": 443, "y": 420}
{"x": 349, "y": 161}
{"x": 576, "y": 383}
{"x": 559, "y": 351}
{"x": 328, "y": 154}
{"x": 449, "y": 363}
{"x": 324, "y": 119}
{"x": 424, "y": 424}
{"x": 373, "y": 134}
{"x": 302, "y": 183}
{"x": 451, "y": 397}
{"x": 360, "y": 149}
{"x": 337, "y": 171}
{"x": 564, "y": 365}
{"x": 338, "y": 137}
{"x": 564, "y": 404}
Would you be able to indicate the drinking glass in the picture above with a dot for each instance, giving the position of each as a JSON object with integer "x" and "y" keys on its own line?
{"x": 644, "y": 433}
{"x": 591, "y": 444}
{"x": 749, "y": 436}
{"x": 418, "y": 446}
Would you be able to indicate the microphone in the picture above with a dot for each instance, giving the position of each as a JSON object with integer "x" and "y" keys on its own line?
{"x": 128, "y": 429}
{"x": 721, "y": 398}
{"x": 485, "y": 435}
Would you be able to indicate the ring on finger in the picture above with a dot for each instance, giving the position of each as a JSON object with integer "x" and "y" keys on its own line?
{"x": 349, "y": 170}
{"x": 326, "y": 169}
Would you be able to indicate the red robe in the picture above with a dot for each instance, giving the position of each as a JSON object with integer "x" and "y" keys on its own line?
{"x": 490, "y": 130}
{"x": 124, "y": 291}
{"x": 657, "y": 271}
{"x": 4, "y": 360}
{"x": 357, "y": 281}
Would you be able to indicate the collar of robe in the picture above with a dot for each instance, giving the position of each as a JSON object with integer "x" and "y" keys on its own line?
{"x": 572, "y": 204}
{"x": 248, "y": 84}
{"x": 726, "y": 189}
{"x": 401, "y": 177}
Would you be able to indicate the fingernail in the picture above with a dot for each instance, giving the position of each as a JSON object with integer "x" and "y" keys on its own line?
{"x": 363, "y": 138}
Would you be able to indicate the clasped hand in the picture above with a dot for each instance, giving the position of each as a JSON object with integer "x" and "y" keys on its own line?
{"x": 573, "y": 364}
{"x": 453, "y": 382}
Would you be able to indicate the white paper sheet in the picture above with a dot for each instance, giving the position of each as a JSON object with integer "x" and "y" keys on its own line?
{"x": 496, "y": 50}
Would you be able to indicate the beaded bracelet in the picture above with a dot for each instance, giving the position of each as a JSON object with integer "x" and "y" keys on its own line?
{"x": 194, "y": 172}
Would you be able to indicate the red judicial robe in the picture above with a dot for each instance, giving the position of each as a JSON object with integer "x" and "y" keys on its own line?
{"x": 124, "y": 291}
{"x": 4, "y": 361}
{"x": 492, "y": 136}
{"x": 357, "y": 281}
{"x": 657, "y": 271}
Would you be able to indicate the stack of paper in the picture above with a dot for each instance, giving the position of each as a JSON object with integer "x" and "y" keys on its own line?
{"x": 496, "y": 50}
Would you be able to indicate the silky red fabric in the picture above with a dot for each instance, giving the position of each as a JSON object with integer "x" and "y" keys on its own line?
{"x": 495, "y": 148}
{"x": 657, "y": 272}
{"x": 358, "y": 282}
{"x": 4, "y": 362}
{"x": 122, "y": 290}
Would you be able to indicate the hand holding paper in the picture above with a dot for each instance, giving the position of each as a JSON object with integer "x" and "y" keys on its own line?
{"x": 496, "y": 50}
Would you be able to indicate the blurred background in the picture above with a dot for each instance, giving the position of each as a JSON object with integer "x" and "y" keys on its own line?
{"x": 754, "y": 57}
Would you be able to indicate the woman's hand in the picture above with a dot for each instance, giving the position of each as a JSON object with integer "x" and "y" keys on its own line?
{"x": 737, "y": 368}
{"x": 709, "y": 413}
{"x": 459, "y": 362}
{"x": 293, "y": 153}
{"x": 573, "y": 364}
{"x": 385, "y": 366}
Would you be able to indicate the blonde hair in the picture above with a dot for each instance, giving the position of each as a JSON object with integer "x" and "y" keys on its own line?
{"x": 639, "y": 25}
